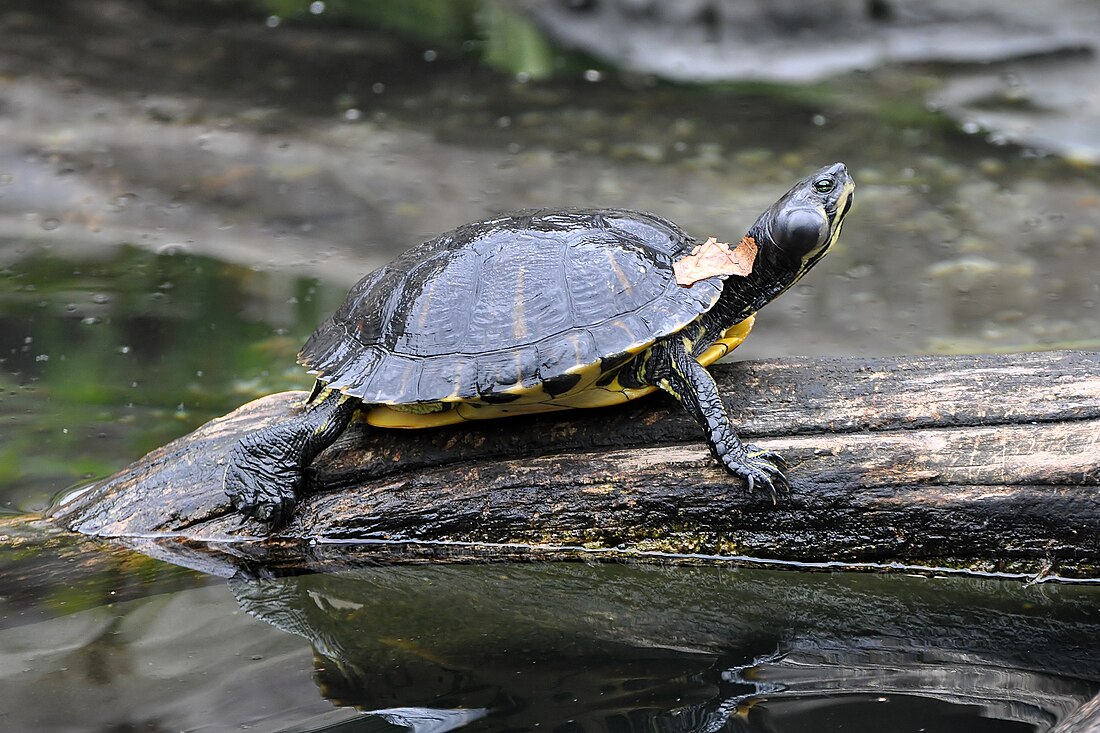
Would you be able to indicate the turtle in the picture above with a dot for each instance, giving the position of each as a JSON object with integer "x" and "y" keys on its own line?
{"x": 534, "y": 311}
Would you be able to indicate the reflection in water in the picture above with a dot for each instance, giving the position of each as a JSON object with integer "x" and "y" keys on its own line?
{"x": 624, "y": 648}
{"x": 506, "y": 646}
{"x": 231, "y": 138}
{"x": 421, "y": 720}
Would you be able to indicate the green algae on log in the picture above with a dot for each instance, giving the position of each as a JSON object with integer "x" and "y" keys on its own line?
{"x": 988, "y": 463}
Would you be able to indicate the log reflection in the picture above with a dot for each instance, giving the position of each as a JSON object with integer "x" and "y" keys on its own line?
{"x": 633, "y": 648}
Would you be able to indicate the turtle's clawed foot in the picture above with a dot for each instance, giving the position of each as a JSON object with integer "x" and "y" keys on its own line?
{"x": 761, "y": 469}
{"x": 271, "y": 507}
{"x": 262, "y": 481}
{"x": 265, "y": 470}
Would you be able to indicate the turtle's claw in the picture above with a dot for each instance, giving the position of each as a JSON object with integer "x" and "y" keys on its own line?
{"x": 759, "y": 468}
{"x": 261, "y": 483}
{"x": 273, "y": 508}
{"x": 768, "y": 455}
{"x": 281, "y": 513}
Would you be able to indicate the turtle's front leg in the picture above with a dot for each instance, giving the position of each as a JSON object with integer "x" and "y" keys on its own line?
{"x": 265, "y": 469}
{"x": 671, "y": 367}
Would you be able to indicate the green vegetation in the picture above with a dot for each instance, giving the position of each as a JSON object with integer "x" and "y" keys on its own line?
{"x": 488, "y": 29}
{"x": 104, "y": 360}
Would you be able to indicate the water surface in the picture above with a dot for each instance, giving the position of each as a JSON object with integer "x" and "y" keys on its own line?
{"x": 186, "y": 192}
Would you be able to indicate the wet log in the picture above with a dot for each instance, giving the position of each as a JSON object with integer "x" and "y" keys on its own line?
{"x": 987, "y": 463}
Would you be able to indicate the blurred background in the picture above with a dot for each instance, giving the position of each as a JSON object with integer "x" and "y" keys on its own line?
{"x": 188, "y": 187}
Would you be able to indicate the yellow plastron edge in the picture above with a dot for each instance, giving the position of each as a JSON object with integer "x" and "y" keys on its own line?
{"x": 385, "y": 416}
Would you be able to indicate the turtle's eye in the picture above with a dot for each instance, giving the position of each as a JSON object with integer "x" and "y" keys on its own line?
{"x": 800, "y": 231}
{"x": 824, "y": 185}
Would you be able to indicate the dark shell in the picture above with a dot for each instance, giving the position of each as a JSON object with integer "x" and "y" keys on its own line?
{"x": 507, "y": 304}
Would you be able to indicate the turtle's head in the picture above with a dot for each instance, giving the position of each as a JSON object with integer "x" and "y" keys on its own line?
{"x": 800, "y": 228}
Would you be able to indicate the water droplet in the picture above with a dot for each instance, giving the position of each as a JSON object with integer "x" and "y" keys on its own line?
{"x": 172, "y": 248}
{"x": 430, "y": 55}
{"x": 971, "y": 128}
{"x": 42, "y": 357}
{"x": 273, "y": 21}
{"x": 352, "y": 114}
{"x": 101, "y": 298}
{"x": 90, "y": 320}
{"x": 124, "y": 350}
{"x": 50, "y": 224}
{"x": 378, "y": 87}
{"x": 317, "y": 7}
{"x": 819, "y": 120}
{"x": 593, "y": 75}
{"x": 123, "y": 199}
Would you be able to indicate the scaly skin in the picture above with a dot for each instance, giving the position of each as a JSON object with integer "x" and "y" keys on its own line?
{"x": 671, "y": 366}
{"x": 265, "y": 470}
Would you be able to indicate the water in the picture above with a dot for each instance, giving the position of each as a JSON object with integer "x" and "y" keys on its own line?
{"x": 172, "y": 230}
{"x": 107, "y": 358}
{"x": 561, "y": 646}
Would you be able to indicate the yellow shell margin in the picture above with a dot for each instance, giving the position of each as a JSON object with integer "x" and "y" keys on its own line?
{"x": 586, "y": 395}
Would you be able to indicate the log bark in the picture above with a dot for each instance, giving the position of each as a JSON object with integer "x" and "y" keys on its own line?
{"x": 987, "y": 463}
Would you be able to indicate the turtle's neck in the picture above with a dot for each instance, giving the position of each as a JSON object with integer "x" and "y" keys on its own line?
{"x": 743, "y": 296}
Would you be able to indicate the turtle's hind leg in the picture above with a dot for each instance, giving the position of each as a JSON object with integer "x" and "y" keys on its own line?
{"x": 265, "y": 468}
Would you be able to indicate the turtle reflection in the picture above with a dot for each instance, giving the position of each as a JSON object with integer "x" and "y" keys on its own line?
{"x": 626, "y": 648}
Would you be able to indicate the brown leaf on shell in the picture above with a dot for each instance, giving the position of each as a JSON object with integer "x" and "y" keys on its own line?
{"x": 715, "y": 258}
